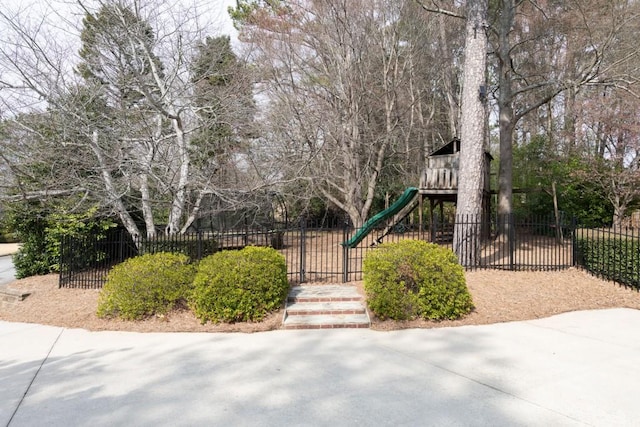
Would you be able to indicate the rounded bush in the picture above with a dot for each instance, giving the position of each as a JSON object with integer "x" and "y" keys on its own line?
{"x": 238, "y": 286}
{"x": 146, "y": 285}
{"x": 415, "y": 279}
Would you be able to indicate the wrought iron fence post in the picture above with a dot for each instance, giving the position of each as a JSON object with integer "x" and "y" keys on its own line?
{"x": 121, "y": 243}
{"x": 303, "y": 255}
{"x": 61, "y": 260}
{"x": 345, "y": 253}
{"x": 511, "y": 238}
{"x": 574, "y": 242}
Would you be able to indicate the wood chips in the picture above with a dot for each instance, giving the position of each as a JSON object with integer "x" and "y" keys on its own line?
{"x": 499, "y": 296}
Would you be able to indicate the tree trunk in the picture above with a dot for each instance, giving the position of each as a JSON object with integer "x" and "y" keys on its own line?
{"x": 471, "y": 176}
{"x": 570, "y": 121}
{"x": 506, "y": 120}
{"x": 619, "y": 210}
{"x": 110, "y": 188}
{"x": 453, "y": 110}
{"x": 147, "y": 212}
{"x": 194, "y": 213}
{"x": 179, "y": 199}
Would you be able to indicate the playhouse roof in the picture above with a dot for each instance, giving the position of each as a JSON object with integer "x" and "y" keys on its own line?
{"x": 452, "y": 147}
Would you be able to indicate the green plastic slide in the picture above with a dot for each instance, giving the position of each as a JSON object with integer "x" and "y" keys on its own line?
{"x": 404, "y": 200}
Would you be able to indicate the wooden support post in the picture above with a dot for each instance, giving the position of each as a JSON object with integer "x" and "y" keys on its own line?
{"x": 432, "y": 226}
{"x": 420, "y": 206}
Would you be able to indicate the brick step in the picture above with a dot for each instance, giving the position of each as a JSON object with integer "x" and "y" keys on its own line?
{"x": 326, "y": 321}
{"x": 324, "y": 293}
{"x": 327, "y": 307}
{"x": 11, "y": 296}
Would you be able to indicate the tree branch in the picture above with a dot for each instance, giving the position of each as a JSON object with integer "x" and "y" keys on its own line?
{"x": 437, "y": 9}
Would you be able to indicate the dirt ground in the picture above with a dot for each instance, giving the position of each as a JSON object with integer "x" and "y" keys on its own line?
{"x": 499, "y": 296}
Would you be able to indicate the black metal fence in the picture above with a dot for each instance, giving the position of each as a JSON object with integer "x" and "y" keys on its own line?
{"x": 315, "y": 251}
{"x": 535, "y": 243}
{"x": 610, "y": 253}
{"x": 85, "y": 261}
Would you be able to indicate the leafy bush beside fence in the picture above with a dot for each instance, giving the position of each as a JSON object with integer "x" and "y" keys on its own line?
{"x": 146, "y": 285}
{"x": 415, "y": 279}
{"x": 238, "y": 286}
{"x": 610, "y": 256}
{"x": 42, "y": 235}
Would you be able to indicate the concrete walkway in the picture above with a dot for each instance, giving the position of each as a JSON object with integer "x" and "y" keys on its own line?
{"x": 574, "y": 369}
{"x": 7, "y": 270}
{"x": 8, "y": 248}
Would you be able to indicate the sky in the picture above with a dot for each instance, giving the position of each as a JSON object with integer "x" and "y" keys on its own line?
{"x": 213, "y": 11}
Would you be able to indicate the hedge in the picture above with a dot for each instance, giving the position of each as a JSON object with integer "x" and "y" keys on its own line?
{"x": 612, "y": 258}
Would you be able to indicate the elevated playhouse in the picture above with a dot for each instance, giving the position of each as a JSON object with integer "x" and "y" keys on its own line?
{"x": 438, "y": 184}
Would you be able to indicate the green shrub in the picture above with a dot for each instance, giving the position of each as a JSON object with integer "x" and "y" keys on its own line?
{"x": 615, "y": 257}
{"x": 245, "y": 285}
{"x": 415, "y": 279}
{"x": 146, "y": 285}
{"x": 41, "y": 233}
{"x": 34, "y": 257}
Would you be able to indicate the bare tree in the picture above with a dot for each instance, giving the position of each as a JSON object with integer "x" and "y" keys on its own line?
{"x": 436, "y": 71}
{"x": 129, "y": 105}
{"x": 334, "y": 72}
{"x": 612, "y": 134}
{"x": 547, "y": 52}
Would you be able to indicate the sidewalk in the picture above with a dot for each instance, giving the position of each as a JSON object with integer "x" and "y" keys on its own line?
{"x": 7, "y": 269}
{"x": 8, "y": 248}
{"x": 574, "y": 369}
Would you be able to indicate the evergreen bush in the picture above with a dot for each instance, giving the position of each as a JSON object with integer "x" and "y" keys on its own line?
{"x": 34, "y": 257}
{"x": 146, "y": 285}
{"x": 238, "y": 286}
{"x": 415, "y": 279}
{"x": 613, "y": 257}
{"x": 41, "y": 233}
